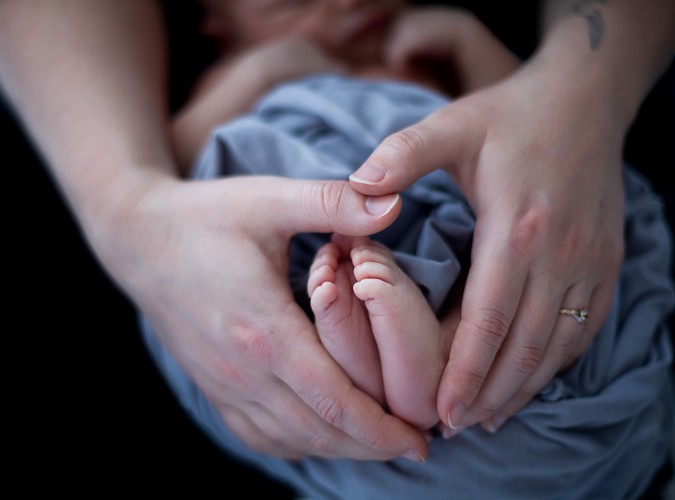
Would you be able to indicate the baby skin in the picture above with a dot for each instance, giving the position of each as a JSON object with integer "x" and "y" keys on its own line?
{"x": 376, "y": 323}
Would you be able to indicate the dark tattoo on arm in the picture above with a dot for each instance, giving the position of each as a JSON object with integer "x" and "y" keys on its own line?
{"x": 588, "y": 9}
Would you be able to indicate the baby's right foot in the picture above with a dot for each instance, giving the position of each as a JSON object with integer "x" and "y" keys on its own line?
{"x": 341, "y": 319}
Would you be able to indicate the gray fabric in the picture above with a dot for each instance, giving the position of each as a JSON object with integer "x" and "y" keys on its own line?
{"x": 600, "y": 430}
{"x": 324, "y": 129}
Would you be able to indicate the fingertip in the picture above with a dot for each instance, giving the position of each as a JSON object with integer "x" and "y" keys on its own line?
{"x": 456, "y": 416}
{"x": 379, "y": 206}
{"x": 494, "y": 423}
{"x": 369, "y": 174}
{"x": 449, "y": 433}
{"x": 333, "y": 206}
{"x": 415, "y": 456}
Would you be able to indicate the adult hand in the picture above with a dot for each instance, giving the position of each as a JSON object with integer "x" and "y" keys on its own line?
{"x": 207, "y": 262}
{"x": 539, "y": 162}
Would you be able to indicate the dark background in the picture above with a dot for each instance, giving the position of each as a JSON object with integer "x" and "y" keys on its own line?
{"x": 87, "y": 405}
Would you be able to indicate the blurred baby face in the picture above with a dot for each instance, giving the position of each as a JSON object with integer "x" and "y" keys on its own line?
{"x": 348, "y": 29}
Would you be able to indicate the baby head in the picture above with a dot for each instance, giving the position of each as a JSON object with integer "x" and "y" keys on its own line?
{"x": 351, "y": 30}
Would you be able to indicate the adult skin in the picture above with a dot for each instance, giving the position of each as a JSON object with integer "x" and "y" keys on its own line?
{"x": 152, "y": 232}
{"x": 206, "y": 261}
{"x": 538, "y": 156}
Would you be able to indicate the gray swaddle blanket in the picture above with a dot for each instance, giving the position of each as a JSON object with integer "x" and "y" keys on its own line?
{"x": 599, "y": 430}
{"x": 294, "y": 134}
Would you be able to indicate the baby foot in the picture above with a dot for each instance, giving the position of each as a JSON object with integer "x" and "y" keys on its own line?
{"x": 406, "y": 331}
{"x": 341, "y": 319}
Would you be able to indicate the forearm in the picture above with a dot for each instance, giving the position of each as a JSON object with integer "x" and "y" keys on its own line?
{"x": 622, "y": 46}
{"x": 87, "y": 80}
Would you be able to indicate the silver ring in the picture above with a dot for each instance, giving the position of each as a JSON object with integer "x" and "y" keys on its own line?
{"x": 580, "y": 315}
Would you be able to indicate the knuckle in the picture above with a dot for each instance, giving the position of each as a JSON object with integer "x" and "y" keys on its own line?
{"x": 321, "y": 444}
{"x": 259, "y": 348}
{"x": 251, "y": 342}
{"x": 491, "y": 327}
{"x": 324, "y": 198}
{"x": 375, "y": 440}
{"x": 472, "y": 378}
{"x": 527, "y": 358}
{"x": 330, "y": 409}
{"x": 578, "y": 242}
{"x": 528, "y": 231}
{"x": 408, "y": 142}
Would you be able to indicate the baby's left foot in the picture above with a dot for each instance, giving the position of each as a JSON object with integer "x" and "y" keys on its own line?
{"x": 406, "y": 331}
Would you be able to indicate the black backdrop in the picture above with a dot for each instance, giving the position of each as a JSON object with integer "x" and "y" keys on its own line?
{"x": 88, "y": 409}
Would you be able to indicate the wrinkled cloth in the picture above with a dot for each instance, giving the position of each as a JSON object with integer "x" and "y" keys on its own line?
{"x": 601, "y": 429}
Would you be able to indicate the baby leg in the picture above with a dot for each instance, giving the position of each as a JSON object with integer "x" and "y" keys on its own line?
{"x": 406, "y": 331}
{"x": 341, "y": 318}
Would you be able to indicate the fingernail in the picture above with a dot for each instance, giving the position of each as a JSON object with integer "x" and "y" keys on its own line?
{"x": 415, "y": 456}
{"x": 368, "y": 174}
{"x": 495, "y": 422}
{"x": 450, "y": 433}
{"x": 381, "y": 205}
{"x": 455, "y": 416}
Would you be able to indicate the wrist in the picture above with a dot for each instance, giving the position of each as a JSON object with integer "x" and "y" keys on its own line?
{"x": 621, "y": 47}
{"x": 116, "y": 212}
{"x": 569, "y": 70}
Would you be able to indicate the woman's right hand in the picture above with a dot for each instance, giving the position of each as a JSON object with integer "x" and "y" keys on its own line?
{"x": 207, "y": 263}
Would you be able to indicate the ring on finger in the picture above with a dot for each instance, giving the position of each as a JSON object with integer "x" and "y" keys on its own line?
{"x": 581, "y": 315}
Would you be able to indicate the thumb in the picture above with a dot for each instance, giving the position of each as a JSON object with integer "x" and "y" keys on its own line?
{"x": 293, "y": 206}
{"x": 449, "y": 137}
